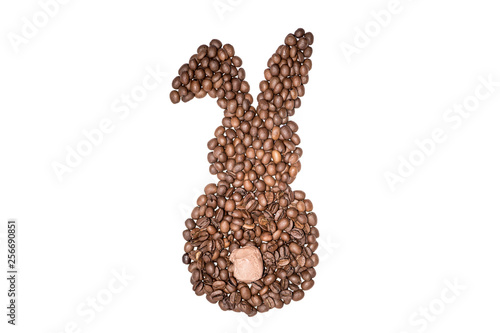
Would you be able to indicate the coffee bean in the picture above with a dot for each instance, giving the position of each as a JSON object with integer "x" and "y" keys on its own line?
{"x": 306, "y": 285}
{"x": 175, "y": 97}
{"x": 301, "y": 261}
{"x": 185, "y": 259}
{"x": 266, "y": 237}
{"x": 286, "y": 132}
{"x": 262, "y": 308}
{"x": 268, "y": 279}
{"x": 251, "y": 205}
{"x": 219, "y": 285}
{"x": 210, "y": 268}
{"x": 306, "y": 275}
{"x": 294, "y": 278}
{"x": 292, "y": 213}
{"x": 218, "y": 295}
{"x": 245, "y": 307}
{"x": 297, "y": 233}
{"x": 302, "y": 43}
{"x": 312, "y": 219}
{"x": 298, "y": 295}
{"x": 295, "y": 248}
{"x": 186, "y": 234}
{"x": 203, "y": 222}
{"x": 262, "y": 200}
{"x": 283, "y": 262}
{"x": 245, "y": 292}
{"x": 190, "y": 224}
{"x": 286, "y": 296}
{"x": 269, "y": 302}
{"x": 198, "y": 287}
{"x": 256, "y": 300}
{"x": 290, "y": 40}
{"x": 230, "y": 205}
{"x": 309, "y": 205}
{"x": 275, "y": 287}
{"x": 196, "y": 275}
{"x": 269, "y": 180}
{"x": 224, "y": 226}
{"x": 235, "y": 298}
{"x": 223, "y": 274}
{"x": 283, "y": 223}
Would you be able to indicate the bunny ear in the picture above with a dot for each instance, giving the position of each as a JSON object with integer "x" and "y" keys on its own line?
{"x": 214, "y": 70}
{"x": 286, "y": 75}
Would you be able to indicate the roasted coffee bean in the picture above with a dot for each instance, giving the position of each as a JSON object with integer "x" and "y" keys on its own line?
{"x": 224, "y": 226}
{"x": 283, "y": 262}
{"x": 251, "y": 205}
{"x": 185, "y": 259}
{"x": 245, "y": 292}
{"x": 235, "y": 298}
{"x": 294, "y": 278}
{"x": 268, "y": 279}
{"x": 196, "y": 275}
{"x": 298, "y": 295}
{"x": 209, "y": 298}
{"x": 295, "y": 248}
{"x": 315, "y": 259}
{"x": 190, "y": 224}
{"x": 306, "y": 275}
{"x": 275, "y": 287}
{"x": 301, "y": 261}
{"x": 256, "y": 300}
{"x": 297, "y": 233}
{"x": 258, "y": 285}
{"x": 312, "y": 219}
{"x": 306, "y": 285}
{"x": 198, "y": 287}
{"x": 309, "y": 205}
{"x": 286, "y": 296}
{"x": 175, "y": 97}
{"x": 210, "y": 268}
{"x": 266, "y": 237}
{"x": 218, "y": 295}
{"x": 283, "y": 223}
{"x": 262, "y": 308}
{"x": 292, "y": 213}
{"x": 269, "y": 302}
{"x": 203, "y": 222}
{"x": 187, "y": 235}
{"x": 219, "y": 285}
{"x": 245, "y": 307}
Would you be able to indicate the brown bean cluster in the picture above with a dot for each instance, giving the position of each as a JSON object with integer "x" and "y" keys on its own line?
{"x": 255, "y": 157}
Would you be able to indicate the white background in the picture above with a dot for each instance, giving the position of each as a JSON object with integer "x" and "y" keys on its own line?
{"x": 384, "y": 254}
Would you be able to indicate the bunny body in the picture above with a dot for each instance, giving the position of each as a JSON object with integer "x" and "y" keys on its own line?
{"x": 256, "y": 157}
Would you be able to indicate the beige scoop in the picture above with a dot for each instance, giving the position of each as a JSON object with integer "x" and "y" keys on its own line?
{"x": 247, "y": 263}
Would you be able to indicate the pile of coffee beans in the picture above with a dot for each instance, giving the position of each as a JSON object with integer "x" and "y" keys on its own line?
{"x": 255, "y": 157}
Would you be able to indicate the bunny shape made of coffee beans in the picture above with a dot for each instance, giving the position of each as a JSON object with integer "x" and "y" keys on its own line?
{"x": 250, "y": 240}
